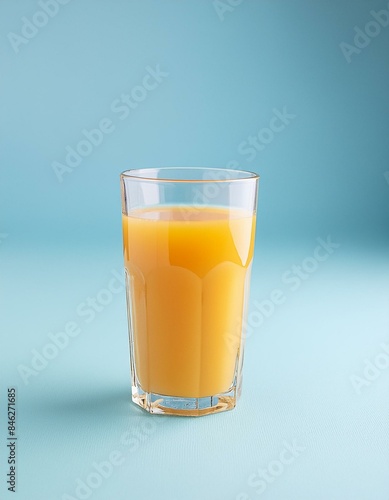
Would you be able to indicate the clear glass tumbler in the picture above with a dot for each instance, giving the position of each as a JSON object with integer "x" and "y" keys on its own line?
{"x": 188, "y": 237}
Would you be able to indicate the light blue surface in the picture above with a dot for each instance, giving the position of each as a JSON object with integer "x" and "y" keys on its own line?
{"x": 325, "y": 173}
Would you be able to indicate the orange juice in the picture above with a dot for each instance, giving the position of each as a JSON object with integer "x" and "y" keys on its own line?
{"x": 188, "y": 271}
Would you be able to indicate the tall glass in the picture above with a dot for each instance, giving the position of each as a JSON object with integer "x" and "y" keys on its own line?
{"x": 188, "y": 238}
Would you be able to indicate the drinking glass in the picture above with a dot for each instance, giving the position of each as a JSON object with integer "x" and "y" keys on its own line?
{"x": 188, "y": 238}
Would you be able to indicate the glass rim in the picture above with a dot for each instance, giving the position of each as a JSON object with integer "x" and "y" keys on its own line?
{"x": 136, "y": 174}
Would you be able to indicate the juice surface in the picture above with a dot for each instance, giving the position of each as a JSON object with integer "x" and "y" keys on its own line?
{"x": 188, "y": 271}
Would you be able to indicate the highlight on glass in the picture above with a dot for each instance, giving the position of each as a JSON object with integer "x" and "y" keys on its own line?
{"x": 188, "y": 239}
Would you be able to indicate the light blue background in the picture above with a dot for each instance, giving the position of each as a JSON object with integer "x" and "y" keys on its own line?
{"x": 324, "y": 174}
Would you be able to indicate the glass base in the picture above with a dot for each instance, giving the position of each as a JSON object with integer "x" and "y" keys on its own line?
{"x": 184, "y": 407}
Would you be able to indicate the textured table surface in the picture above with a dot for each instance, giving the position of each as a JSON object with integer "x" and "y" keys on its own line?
{"x": 305, "y": 389}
